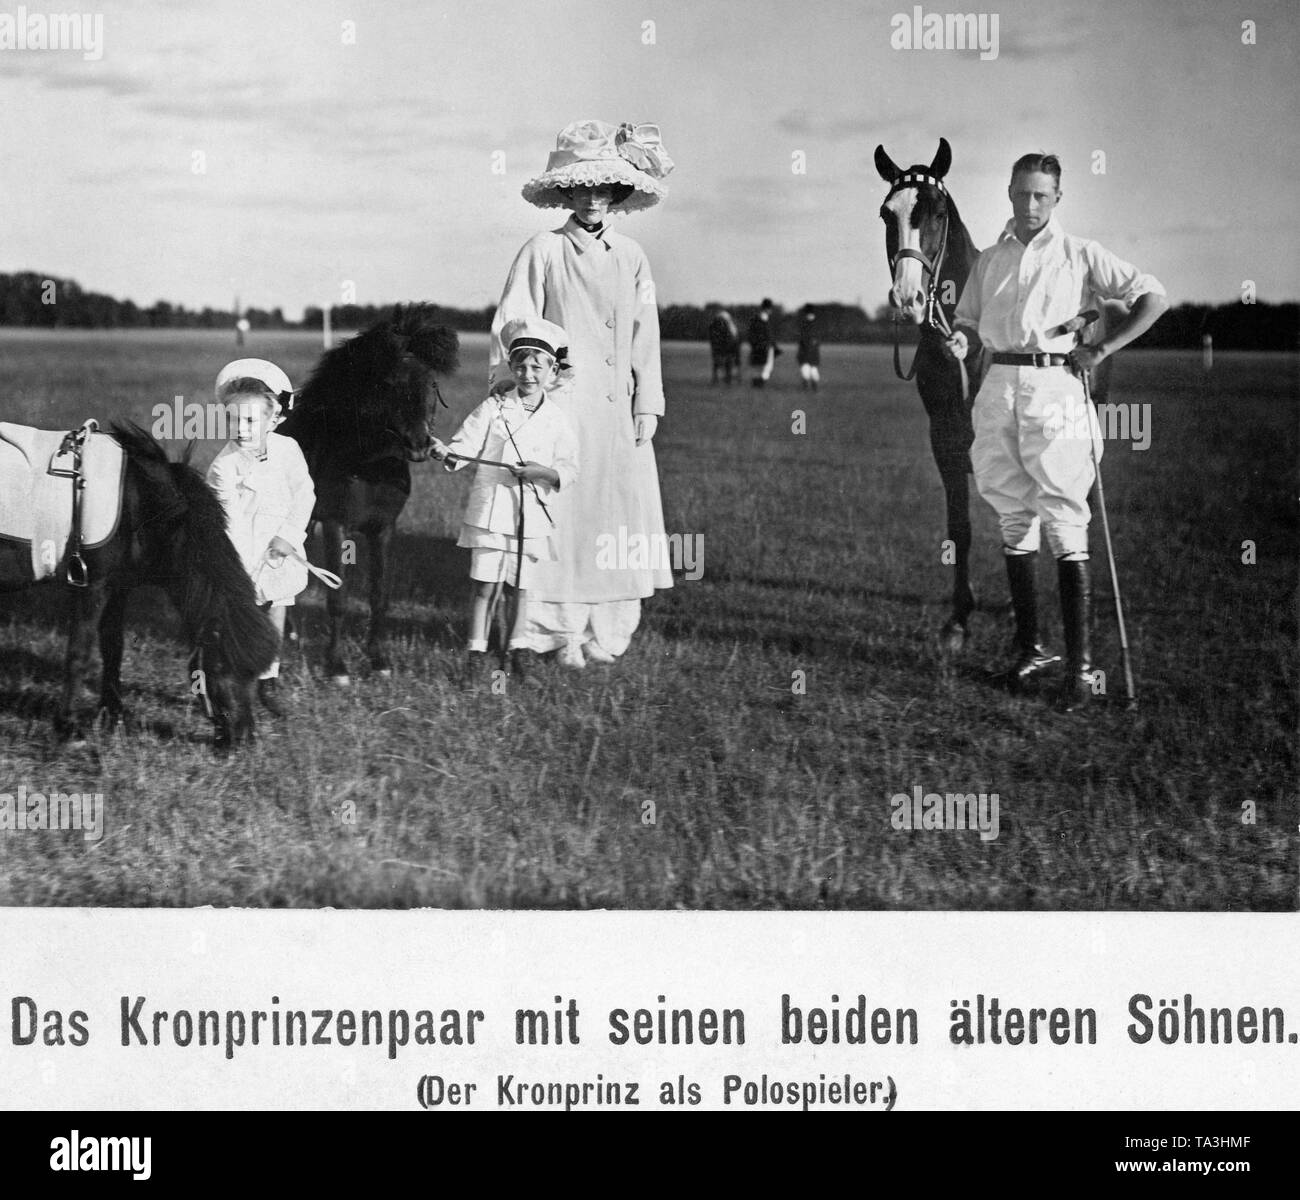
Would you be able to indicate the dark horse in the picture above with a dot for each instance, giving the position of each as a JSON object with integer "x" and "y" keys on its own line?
{"x": 171, "y": 534}
{"x": 365, "y": 415}
{"x": 930, "y": 255}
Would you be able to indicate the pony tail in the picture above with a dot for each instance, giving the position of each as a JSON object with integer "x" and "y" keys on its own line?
{"x": 218, "y": 597}
{"x": 251, "y": 641}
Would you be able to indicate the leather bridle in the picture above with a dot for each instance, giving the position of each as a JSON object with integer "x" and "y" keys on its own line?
{"x": 934, "y": 314}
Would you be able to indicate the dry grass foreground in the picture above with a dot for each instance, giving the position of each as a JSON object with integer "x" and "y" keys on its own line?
{"x": 822, "y": 556}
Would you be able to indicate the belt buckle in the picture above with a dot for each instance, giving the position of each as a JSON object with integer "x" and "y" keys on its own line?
{"x": 1042, "y": 359}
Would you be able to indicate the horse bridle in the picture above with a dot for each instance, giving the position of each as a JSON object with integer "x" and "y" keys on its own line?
{"x": 934, "y": 315}
{"x": 429, "y": 426}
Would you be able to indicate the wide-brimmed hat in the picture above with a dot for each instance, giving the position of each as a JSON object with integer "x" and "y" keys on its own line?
{"x": 589, "y": 153}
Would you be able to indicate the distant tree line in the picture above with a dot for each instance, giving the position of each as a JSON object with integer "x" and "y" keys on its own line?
{"x": 35, "y": 301}
{"x": 1236, "y": 326}
{"x": 835, "y": 322}
{"x": 358, "y": 316}
{"x": 32, "y": 300}
{"x": 38, "y": 301}
{"x": 1232, "y": 326}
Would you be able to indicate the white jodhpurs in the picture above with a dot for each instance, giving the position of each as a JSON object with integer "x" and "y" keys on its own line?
{"x": 1032, "y": 456}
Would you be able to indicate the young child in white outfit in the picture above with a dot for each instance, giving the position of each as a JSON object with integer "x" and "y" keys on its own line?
{"x": 263, "y": 483}
{"x": 526, "y": 455}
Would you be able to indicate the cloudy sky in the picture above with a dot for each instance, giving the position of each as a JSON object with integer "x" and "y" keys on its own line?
{"x": 364, "y": 151}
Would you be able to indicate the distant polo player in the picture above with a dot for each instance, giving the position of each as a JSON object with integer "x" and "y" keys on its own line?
{"x": 809, "y": 357}
{"x": 724, "y": 341}
{"x": 762, "y": 344}
{"x": 1032, "y": 456}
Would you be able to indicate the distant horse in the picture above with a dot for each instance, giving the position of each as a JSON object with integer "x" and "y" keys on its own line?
{"x": 724, "y": 340}
{"x": 172, "y": 534}
{"x": 930, "y": 255}
{"x": 364, "y": 416}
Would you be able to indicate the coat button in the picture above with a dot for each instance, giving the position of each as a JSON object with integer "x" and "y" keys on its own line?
{"x": 609, "y": 362}
{"x": 609, "y": 398}
{"x": 610, "y": 323}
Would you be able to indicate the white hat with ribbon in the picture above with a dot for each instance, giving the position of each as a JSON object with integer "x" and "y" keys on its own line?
{"x": 266, "y": 373}
{"x": 590, "y": 153}
{"x": 535, "y": 333}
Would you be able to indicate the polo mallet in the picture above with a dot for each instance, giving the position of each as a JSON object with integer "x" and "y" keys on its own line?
{"x": 1076, "y": 326}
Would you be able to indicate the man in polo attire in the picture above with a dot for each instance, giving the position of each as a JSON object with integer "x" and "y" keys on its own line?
{"x": 1034, "y": 431}
{"x": 762, "y": 344}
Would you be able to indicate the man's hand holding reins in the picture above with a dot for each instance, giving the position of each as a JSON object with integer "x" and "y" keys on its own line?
{"x": 957, "y": 346}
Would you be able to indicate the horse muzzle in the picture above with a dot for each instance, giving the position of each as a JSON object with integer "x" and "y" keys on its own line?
{"x": 912, "y": 310}
{"x": 412, "y": 449}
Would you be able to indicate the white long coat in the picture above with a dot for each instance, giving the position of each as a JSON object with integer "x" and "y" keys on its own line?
{"x": 600, "y": 291}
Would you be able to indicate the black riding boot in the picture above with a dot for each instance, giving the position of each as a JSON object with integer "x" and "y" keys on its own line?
{"x": 478, "y": 666}
{"x": 1031, "y": 657}
{"x": 1076, "y": 616}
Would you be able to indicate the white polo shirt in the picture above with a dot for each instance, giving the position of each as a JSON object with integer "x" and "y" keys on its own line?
{"x": 1015, "y": 293}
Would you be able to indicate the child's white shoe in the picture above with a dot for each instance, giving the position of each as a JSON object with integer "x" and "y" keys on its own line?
{"x": 571, "y": 656}
{"x": 598, "y": 654}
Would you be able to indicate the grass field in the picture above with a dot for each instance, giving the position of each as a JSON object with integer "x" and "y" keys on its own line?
{"x": 821, "y": 556}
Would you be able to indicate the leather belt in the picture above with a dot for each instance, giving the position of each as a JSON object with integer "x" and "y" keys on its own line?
{"x": 1031, "y": 360}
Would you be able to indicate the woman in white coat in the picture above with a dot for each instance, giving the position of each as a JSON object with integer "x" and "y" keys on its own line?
{"x": 597, "y": 285}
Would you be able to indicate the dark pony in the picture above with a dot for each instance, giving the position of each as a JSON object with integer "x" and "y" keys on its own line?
{"x": 172, "y": 535}
{"x": 920, "y": 210}
{"x": 365, "y": 415}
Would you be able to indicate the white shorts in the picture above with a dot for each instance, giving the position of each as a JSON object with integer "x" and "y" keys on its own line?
{"x": 487, "y": 565}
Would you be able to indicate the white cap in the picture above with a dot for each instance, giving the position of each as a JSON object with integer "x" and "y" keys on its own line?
{"x": 252, "y": 368}
{"x": 534, "y": 333}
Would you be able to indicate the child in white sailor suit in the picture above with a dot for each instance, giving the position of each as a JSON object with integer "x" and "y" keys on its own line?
{"x": 513, "y": 508}
{"x": 263, "y": 483}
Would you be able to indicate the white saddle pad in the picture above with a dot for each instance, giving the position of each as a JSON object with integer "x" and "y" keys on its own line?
{"x": 36, "y": 507}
